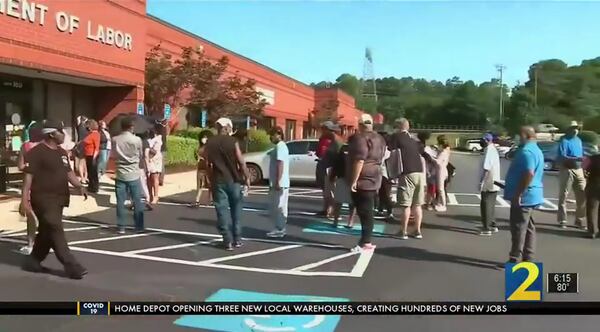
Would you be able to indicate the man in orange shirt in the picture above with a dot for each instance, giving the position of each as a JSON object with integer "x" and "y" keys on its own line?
{"x": 91, "y": 150}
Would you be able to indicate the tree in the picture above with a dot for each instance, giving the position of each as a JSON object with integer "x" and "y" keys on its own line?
{"x": 165, "y": 80}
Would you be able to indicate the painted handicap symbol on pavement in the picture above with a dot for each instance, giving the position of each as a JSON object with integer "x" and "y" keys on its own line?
{"x": 262, "y": 323}
{"x": 327, "y": 228}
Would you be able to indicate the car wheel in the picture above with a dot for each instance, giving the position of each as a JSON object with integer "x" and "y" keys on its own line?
{"x": 255, "y": 173}
{"x": 548, "y": 166}
{"x": 474, "y": 149}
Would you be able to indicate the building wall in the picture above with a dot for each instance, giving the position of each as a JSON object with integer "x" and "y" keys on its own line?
{"x": 31, "y": 44}
{"x": 62, "y": 37}
{"x": 32, "y": 39}
{"x": 293, "y": 100}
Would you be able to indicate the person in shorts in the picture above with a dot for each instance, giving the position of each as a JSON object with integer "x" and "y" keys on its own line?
{"x": 411, "y": 188}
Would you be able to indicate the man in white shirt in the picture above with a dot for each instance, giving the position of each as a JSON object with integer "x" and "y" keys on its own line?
{"x": 490, "y": 173}
{"x": 279, "y": 182}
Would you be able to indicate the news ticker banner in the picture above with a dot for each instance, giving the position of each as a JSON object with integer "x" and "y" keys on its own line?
{"x": 298, "y": 308}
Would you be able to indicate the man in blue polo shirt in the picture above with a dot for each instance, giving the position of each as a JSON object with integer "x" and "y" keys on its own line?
{"x": 525, "y": 190}
{"x": 570, "y": 157}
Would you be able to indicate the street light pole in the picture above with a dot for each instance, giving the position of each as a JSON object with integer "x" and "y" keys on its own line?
{"x": 500, "y": 69}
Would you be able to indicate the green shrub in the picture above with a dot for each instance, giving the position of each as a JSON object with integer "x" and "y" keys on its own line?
{"x": 589, "y": 137}
{"x": 182, "y": 151}
{"x": 193, "y": 132}
{"x": 258, "y": 140}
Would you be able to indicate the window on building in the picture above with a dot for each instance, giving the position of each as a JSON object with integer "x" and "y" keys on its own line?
{"x": 290, "y": 129}
{"x": 267, "y": 123}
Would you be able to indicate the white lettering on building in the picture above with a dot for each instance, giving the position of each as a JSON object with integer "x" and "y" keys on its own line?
{"x": 109, "y": 36}
{"x": 32, "y": 12}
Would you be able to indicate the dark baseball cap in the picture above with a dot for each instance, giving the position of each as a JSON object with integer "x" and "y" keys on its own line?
{"x": 52, "y": 126}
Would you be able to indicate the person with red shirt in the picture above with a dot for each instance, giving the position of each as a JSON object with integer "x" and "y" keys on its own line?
{"x": 91, "y": 150}
{"x": 327, "y": 136}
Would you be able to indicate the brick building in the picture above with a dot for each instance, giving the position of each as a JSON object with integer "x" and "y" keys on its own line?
{"x": 60, "y": 59}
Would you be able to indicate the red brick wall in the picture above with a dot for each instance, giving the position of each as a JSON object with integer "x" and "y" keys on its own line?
{"x": 30, "y": 44}
{"x": 293, "y": 100}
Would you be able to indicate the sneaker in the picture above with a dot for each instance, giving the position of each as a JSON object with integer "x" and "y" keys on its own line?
{"x": 25, "y": 250}
{"x": 494, "y": 229}
{"x": 418, "y": 236}
{"x": 357, "y": 249}
{"x": 238, "y": 244}
{"x": 441, "y": 208}
{"x": 121, "y": 230}
{"x": 368, "y": 246}
{"x": 485, "y": 233}
{"x": 402, "y": 236}
{"x": 502, "y": 265}
{"x": 227, "y": 246}
{"x": 276, "y": 234}
{"x": 140, "y": 231}
{"x": 562, "y": 224}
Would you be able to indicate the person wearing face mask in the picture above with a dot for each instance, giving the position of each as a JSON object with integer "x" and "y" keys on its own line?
{"x": 202, "y": 179}
{"x": 47, "y": 177}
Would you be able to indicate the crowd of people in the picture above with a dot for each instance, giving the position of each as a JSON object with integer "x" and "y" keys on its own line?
{"x": 358, "y": 173}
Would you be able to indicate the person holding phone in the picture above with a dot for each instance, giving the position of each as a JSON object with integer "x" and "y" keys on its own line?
{"x": 47, "y": 177}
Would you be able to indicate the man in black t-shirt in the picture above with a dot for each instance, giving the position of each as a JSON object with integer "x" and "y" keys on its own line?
{"x": 47, "y": 177}
{"x": 227, "y": 172}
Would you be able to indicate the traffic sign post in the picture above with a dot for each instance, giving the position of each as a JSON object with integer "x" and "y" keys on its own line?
{"x": 140, "y": 108}
{"x": 167, "y": 112}
{"x": 203, "y": 116}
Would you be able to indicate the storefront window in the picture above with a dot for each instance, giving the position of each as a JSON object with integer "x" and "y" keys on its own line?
{"x": 290, "y": 129}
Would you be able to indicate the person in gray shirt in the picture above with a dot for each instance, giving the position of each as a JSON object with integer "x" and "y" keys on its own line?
{"x": 127, "y": 153}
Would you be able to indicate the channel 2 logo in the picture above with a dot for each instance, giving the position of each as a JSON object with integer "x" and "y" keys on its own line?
{"x": 523, "y": 281}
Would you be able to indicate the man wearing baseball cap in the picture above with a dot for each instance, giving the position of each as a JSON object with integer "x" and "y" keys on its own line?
{"x": 47, "y": 177}
{"x": 227, "y": 173}
{"x": 570, "y": 157}
{"x": 490, "y": 173}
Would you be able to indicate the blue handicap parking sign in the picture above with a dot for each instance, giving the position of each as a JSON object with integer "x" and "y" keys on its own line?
{"x": 327, "y": 228}
{"x": 259, "y": 323}
{"x": 167, "y": 112}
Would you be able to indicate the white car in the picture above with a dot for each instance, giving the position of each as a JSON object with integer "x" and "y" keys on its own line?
{"x": 473, "y": 145}
{"x": 303, "y": 162}
{"x": 502, "y": 150}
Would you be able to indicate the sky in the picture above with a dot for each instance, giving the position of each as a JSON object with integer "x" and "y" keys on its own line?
{"x": 315, "y": 41}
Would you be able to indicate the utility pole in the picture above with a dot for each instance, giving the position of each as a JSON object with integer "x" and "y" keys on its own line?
{"x": 535, "y": 86}
{"x": 501, "y": 69}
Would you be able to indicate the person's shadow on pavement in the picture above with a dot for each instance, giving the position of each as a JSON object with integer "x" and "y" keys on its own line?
{"x": 418, "y": 254}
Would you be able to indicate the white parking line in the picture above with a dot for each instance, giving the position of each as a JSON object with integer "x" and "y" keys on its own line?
{"x": 452, "y": 199}
{"x": 322, "y": 262}
{"x": 112, "y": 238}
{"x": 363, "y": 262}
{"x": 171, "y": 247}
{"x": 249, "y": 254}
{"x": 66, "y": 230}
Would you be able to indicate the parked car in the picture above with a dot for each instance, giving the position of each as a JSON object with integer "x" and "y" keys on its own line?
{"x": 550, "y": 151}
{"x": 502, "y": 150}
{"x": 473, "y": 145}
{"x": 303, "y": 162}
{"x": 546, "y": 128}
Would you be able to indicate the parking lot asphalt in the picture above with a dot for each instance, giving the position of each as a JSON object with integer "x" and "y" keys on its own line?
{"x": 177, "y": 260}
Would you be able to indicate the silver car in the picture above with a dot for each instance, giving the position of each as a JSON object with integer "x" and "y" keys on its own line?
{"x": 303, "y": 162}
